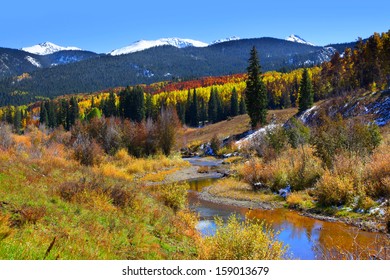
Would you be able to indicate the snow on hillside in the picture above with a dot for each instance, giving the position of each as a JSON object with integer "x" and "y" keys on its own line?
{"x": 254, "y": 137}
{"x": 147, "y": 44}
{"x": 297, "y": 39}
{"x": 33, "y": 61}
{"x": 233, "y": 38}
{"x": 47, "y": 48}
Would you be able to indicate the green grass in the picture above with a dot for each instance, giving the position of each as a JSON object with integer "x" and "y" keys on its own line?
{"x": 89, "y": 225}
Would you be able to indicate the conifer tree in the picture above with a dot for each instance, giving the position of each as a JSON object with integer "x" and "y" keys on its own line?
{"x": 52, "y": 114}
{"x": 234, "y": 107}
{"x": 188, "y": 108}
{"x": 212, "y": 107}
{"x": 181, "y": 111}
{"x": 305, "y": 92}
{"x": 256, "y": 93}
{"x": 148, "y": 106}
{"x": 194, "y": 109}
{"x": 17, "y": 120}
{"x": 42, "y": 114}
{"x": 220, "y": 109}
{"x": 242, "y": 105}
{"x": 45, "y": 116}
{"x": 285, "y": 101}
{"x": 73, "y": 112}
{"x": 202, "y": 111}
{"x": 110, "y": 105}
{"x": 132, "y": 104}
{"x": 9, "y": 114}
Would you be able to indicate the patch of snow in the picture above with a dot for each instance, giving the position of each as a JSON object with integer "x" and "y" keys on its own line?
{"x": 47, "y": 48}
{"x": 377, "y": 211}
{"x": 33, "y": 61}
{"x": 233, "y": 38}
{"x": 167, "y": 74}
{"x": 148, "y": 73}
{"x": 147, "y": 44}
{"x": 325, "y": 54}
{"x": 297, "y": 39}
{"x": 255, "y": 135}
{"x": 307, "y": 114}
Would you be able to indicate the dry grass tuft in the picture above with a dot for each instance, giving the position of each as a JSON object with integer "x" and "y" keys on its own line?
{"x": 236, "y": 240}
{"x": 174, "y": 195}
{"x": 203, "y": 169}
{"x": 334, "y": 189}
{"x": 300, "y": 200}
{"x": 27, "y": 214}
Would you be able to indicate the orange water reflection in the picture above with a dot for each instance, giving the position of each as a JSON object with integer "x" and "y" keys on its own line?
{"x": 307, "y": 238}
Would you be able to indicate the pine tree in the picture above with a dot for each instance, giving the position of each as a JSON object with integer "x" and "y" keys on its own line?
{"x": 110, "y": 105}
{"x": 181, "y": 111}
{"x": 234, "y": 107}
{"x": 139, "y": 104}
{"x": 132, "y": 104}
{"x": 256, "y": 93}
{"x": 188, "y": 108}
{"x": 305, "y": 92}
{"x": 52, "y": 115}
{"x": 42, "y": 114}
{"x": 285, "y": 101}
{"x": 220, "y": 110}
{"x": 73, "y": 112}
{"x": 149, "y": 106}
{"x": 9, "y": 114}
{"x": 212, "y": 107}
{"x": 242, "y": 105}
{"x": 194, "y": 109}
{"x": 202, "y": 111}
{"x": 18, "y": 120}
{"x": 62, "y": 112}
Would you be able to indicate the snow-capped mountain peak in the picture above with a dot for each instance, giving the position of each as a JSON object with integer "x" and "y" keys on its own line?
{"x": 233, "y": 38}
{"x": 147, "y": 44}
{"x": 297, "y": 39}
{"x": 47, "y": 48}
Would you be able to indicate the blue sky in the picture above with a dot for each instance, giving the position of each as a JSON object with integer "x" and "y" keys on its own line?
{"x": 102, "y": 26}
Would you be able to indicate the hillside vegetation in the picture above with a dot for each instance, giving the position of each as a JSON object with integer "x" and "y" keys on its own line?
{"x": 52, "y": 207}
{"x": 81, "y": 176}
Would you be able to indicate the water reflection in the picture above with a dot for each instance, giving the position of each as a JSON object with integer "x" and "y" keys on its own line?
{"x": 307, "y": 238}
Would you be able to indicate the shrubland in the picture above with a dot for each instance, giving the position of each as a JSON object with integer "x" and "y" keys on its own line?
{"x": 338, "y": 163}
{"x": 64, "y": 196}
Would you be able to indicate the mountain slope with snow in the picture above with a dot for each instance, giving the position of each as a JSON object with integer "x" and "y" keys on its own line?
{"x": 233, "y": 38}
{"x": 297, "y": 39}
{"x": 48, "y": 48}
{"x": 147, "y": 44}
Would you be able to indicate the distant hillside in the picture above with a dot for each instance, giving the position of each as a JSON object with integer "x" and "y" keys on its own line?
{"x": 16, "y": 62}
{"x": 155, "y": 64}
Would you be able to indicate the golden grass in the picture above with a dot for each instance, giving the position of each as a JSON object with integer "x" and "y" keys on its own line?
{"x": 236, "y": 125}
{"x": 295, "y": 167}
{"x": 233, "y": 160}
{"x": 203, "y": 169}
{"x": 113, "y": 171}
{"x": 90, "y": 212}
{"x": 300, "y": 200}
{"x": 248, "y": 240}
{"x": 158, "y": 176}
{"x": 234, "y": 189}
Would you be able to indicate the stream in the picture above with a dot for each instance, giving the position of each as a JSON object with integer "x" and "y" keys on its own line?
{"x": 307, "y": 238}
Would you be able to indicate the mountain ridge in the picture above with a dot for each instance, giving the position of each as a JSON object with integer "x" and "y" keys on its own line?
{"x": 47, "y": 48}
{"x": 298, "y": 39}
{"x": 68, "y": 72}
